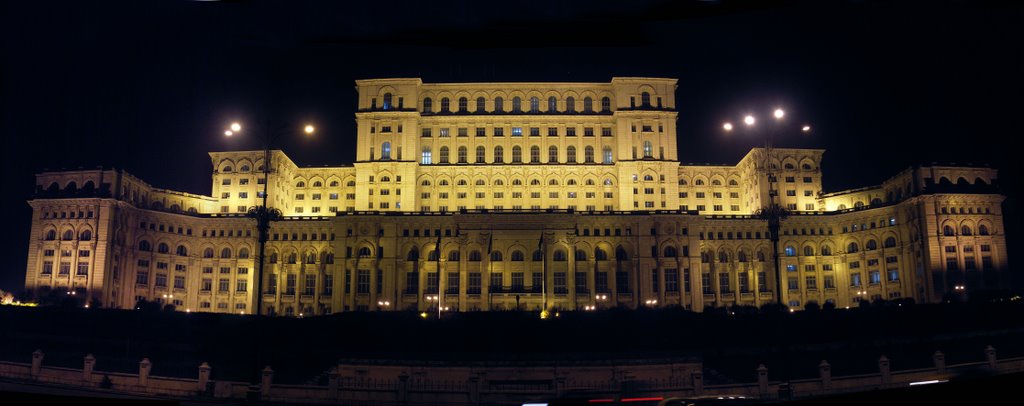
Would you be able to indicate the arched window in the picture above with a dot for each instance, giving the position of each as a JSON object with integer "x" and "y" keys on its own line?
{"x": 243, "y": 253}
{"x": 462, "y": 182}
{"x": 570, "y": 154}
{"x": 534, "y": 105}
{"x": 808, "y": 251}
{"x": 871, "y": 245}
{"x": 321, "y": 184}
{"x": 552, "y": 104}
{"x": 982, "y": 230}
{"x": 534, "y": 182}
{"x": 454, "y": 255}
{"x": 588, "y": 105}
{"x": 481, "y": 153}
{"x": 310, "y": 258}
{"x": 538, "y": 255}
{"x": 463, "y": 105}
{"x": 68, "y": 235}
{"x": 181, "y": 251}
{"x": 570, "y": 104}
{"x": 889, "y": 242}
{"x": 552, "y": 154}
{"x": 826, "y": 250}
{"x": 499, "y": 182}
{"x": 517, "y": 154}
{"x": 352, "y": 183}
{"x": 445, "y": 105}
{"x": 948, "y": 231}
{"x": 328, "y": 258}
{"x": 608, "y": 182}
{"x": 723, "y": 257}
{"x": 705, "y": 257}
{"x": 621, "y": 254}
{"x": 499, "y": 154}
{"x": 425, "y": 159}
{"x": 293, "y": 258}
{"x": 559, "y": 255}
{"x": 741, "y": 256}
{"x": 443, "y": 155}
{"x": 606, "y": 104}
{"x": 474, "y": 256}
{"x": 499, "y": 105}
{"x": 433, "y": 256}
{"x": 581, "y": 255}
{"x": 670, "y": 252}
{"x": 144, "y": 246}
{"x": 600, "y": 254}
{"x": 553, "y": 182}
{"x": 648, "y": 178}
{"x": 385, "y": 150}
{"x": 760, "y": 256}
{"x": 517, "y": 256}
{"x": 163, "y": 248}
{"x": 208, "y": 253}
{"x": 481, "y": 105}
{"x": 965, "y": 230}
{"x": 645, "y": 99}
{"x": 496, "y": 256}
{"x": 225, "y": 253}
{"x": 428, "y": 105}
{"x": 87, "y": 235}
{"x": 51, "y": 235}
{"x": 852, "y": 247}
{"x": 387, "y": 101}
{"x": 790, "y": 251}
{"x": 607, "y": 154}
{"x": 413, "y": 255}
{"x": 364, "y": 252}
{"x": 463, "y": 152}
{"x": 517, "y": 104}
{"x": 273, "y": 257}
{"x": 534, "y": 154}
{"x": 588, "y": 154}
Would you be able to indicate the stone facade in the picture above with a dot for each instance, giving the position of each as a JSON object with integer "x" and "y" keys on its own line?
{"x": 540, "y": 195}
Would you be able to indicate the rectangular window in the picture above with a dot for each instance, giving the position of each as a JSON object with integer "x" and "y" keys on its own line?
{"x": 601, "y": 282}
{"x": 792, "y": 283}
{"x": 499, "y": 132}
{"x": 224, "y": 285}
{"x": 309, "y": 287}
{"x": 762, "y": 281}
{"x": 517, "y": 281}
{"x": 65, "y": 268}
{"x": 744, "y": 279}
{"x": 208, "y": 285}
{"x": 363, "y": 282}
{"x": 444, "y": 133}
{"x": 705, "y": 281}
{"x": 723, "y": 283}
{"x": 811, "y": 282}
{"x": 431, "y": 282}
{"x": 425, "y": 132}
{"x": 517, "y": 131}
{"x": 535, "y": 131}
{"x": 241, "y": 286}
{"x": 581, "y": 282}
{"x": 289, "y": 287}
{"x": 874, "y": 277}
{"x": 83, "y": 269}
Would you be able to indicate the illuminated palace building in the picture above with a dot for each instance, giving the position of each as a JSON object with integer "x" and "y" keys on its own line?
{"x": 477, "y": 196}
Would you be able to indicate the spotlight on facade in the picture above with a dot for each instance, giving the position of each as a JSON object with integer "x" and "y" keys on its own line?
{"x": 423, "y": 315}
{"x": 749, "y": 120}
{"x": 727, "y": 126}
{"x": 779, "y": 113}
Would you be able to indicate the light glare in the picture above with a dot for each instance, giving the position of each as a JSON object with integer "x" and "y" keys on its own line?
{"x": 727, "y": 126}
{"x": 749, "y": 120}
{"x": 779, "y": 113}
{"x": 229, "y": 133}
{"x": 806, "y": 128}
{"x": 236, "y": 127}
{"x": 309, "y": 129}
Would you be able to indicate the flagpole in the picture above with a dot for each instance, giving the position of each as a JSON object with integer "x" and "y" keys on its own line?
{"x": 439, "y": 295}
{"x": 544, "y": 270}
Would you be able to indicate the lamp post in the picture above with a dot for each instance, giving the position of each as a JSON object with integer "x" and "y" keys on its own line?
{"x": 773, "y": 213}
{"x": 262, "y": 214}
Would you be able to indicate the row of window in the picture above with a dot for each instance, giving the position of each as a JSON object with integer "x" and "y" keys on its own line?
{"x": 517, "y": 105}
{"x": 445, "y": 132}
{"x": 965, "y": 230}
{"x": 426, "y": 157}
{"x": 68, "y": 235}
{"x": 68, "y": 214}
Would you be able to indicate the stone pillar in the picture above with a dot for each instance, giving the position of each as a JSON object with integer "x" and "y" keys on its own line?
{"x": 940, "y": 361}
{"x": 990, "y": 356}
{"x": 333, "y": 383}
{"x": 144, "y": 367}
{"x": 403, "y": 387}
{"x": 87, "y": 366}
{"x": 204, "y": 376}
{"x": 762, "y": 380}
{"x": 474, "y": 388}
{"x": 698, "y": 382}
{"x": 825, "y": 372}
{"x": 268, "y": 379}
{"x": 37, "y": 363}
{"x": 883, "y": 369}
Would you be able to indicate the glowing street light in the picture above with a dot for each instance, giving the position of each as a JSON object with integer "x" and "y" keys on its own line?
{"x": 727, "y": 126}
{"x": 229, "y": 133}
{"x": 779, "y": 113}
{"x": 806, "y": 128}
{"x": 749, "y": 120}
{"x": 309, "y": 129}
{"x": 236, "y": 127}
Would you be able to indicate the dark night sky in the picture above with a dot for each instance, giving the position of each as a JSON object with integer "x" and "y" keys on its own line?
{"x": 149, "y": 86}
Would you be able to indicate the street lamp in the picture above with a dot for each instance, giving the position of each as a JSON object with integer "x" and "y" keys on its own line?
{"x": 262, "y": 214}
{"x": 773, "y": 212}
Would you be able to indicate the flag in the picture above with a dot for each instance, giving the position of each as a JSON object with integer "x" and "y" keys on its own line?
{"x": 540, "y": 244}
{"x": 438, "y": 247}
{"x": 490, "y": 244}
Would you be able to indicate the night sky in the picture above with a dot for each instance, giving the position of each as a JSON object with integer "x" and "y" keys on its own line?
{"x": 149, "y": 86}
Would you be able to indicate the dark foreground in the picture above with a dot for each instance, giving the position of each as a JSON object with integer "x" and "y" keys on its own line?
{"x": 730, "y": 345}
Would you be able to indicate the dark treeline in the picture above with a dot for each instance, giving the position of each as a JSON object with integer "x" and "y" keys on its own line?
{"x": 730, "y": 342}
